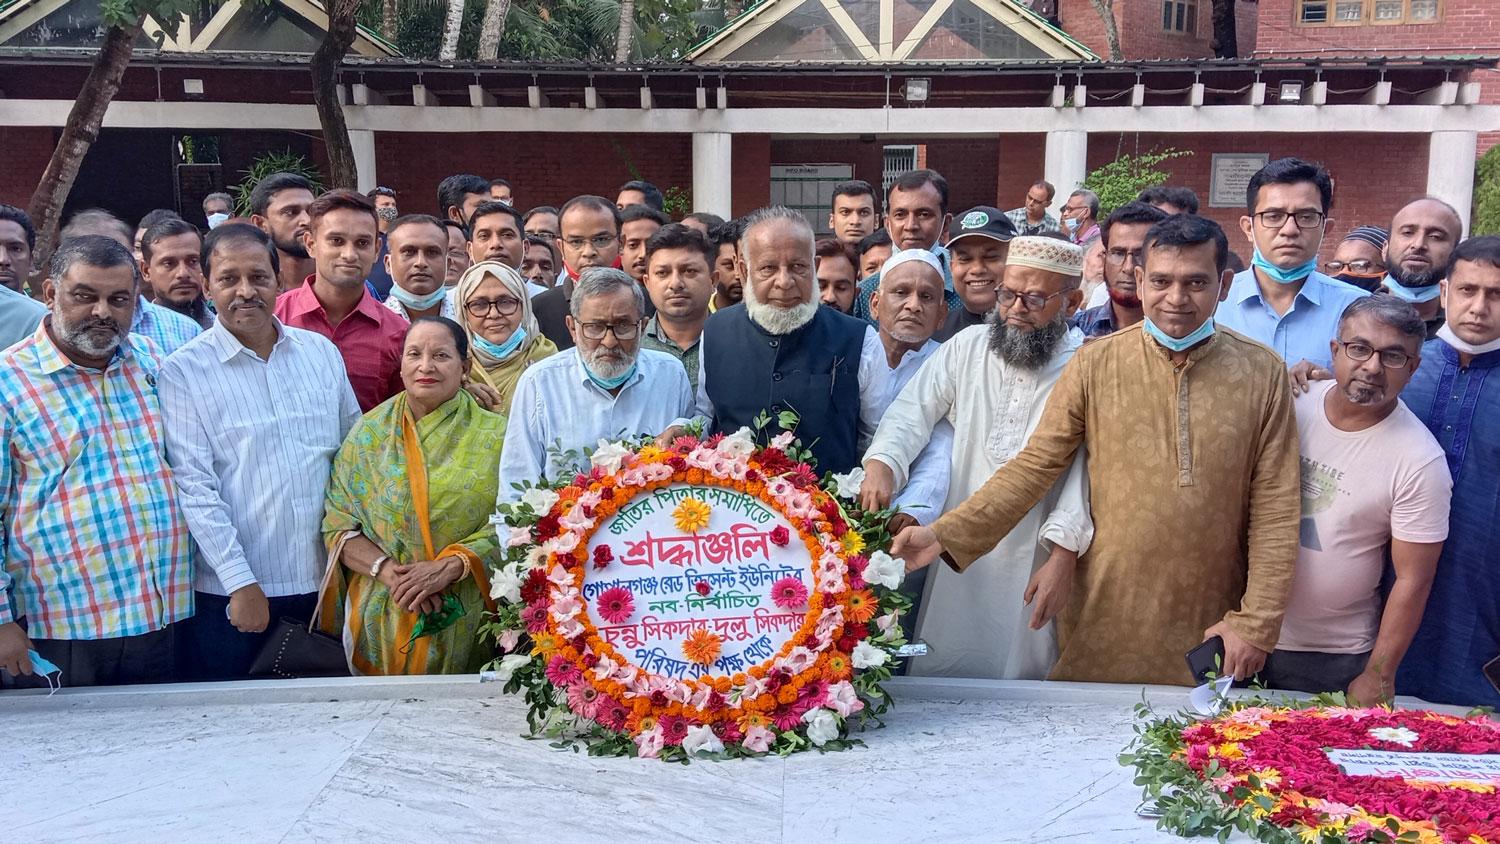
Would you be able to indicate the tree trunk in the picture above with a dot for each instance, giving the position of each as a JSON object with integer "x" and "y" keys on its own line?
{"x": 325, "y": 74}
{"x": 388, "y": 20}
{"x": 1106, "y": 10}
{"x": 492, "y": 29}
{"x": 622, "y": 39}
{"x": 1226, "y": 37}
{"x": 451, "y": 25}
{"x": 78, "y": 134}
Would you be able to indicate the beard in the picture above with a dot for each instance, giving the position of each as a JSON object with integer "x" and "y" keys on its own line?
{"x": 608, "y": 364}
{"x": 1364, "y": 393}
{"x": 777, "y": 320}
{"x": 1425, "y": 278}
{"x": 292, "y": 246}
{"x": 89, "y": 335}
{"x": 1028, "y": 349}
{"x": 1124, "y": 300}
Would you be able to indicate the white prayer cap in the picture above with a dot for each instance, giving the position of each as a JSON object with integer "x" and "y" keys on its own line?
{"x": 906, "y": 256}
{"x": 1046, "y": 253}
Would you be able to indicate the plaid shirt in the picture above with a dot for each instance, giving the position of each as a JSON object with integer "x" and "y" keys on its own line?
{"x": 165, "y": 327}
{"x": 1095, "y": 322}
{"x": 92, "y": 545}
{"x": 1025, "y": 227}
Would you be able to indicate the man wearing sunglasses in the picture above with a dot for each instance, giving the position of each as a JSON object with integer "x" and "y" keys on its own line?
{"x": 1282, "y": 300}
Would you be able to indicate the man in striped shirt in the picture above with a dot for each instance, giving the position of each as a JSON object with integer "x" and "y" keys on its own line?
{"x": 95, "y": 564}
{"x": 255, "y": 411}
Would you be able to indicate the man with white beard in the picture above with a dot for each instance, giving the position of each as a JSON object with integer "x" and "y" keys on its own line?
{"x": 779, "y": 350}
{"x": 605, "y": 387}
{"x": 990, "y": 382}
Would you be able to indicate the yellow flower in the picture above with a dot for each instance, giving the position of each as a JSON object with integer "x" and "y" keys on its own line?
{"x": 691, "y": 515}
{"x": 649, "y": 453}
{"x": 545, "y": 643}
{"x": 853, "y": 542}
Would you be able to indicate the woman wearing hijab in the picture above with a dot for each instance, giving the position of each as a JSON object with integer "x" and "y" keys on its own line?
{"x": 495, "y": 312}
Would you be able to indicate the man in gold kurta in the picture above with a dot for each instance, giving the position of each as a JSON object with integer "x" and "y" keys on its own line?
{"x": 1193, "y": 467}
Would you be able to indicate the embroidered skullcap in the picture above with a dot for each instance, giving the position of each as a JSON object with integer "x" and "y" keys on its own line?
{"x": 1046, "y": 253}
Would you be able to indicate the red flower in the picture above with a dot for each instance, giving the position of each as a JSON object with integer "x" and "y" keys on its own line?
{"x": 535, "y": 587}
{"x": 684, "y": 444}
{"x": 702, "y": 588}
{"x": 714, "y": 440}
{"x": 603, "y": 556}
{"x": 535, "y": 617}
{"x": 803, "y": 476}
{"x": 780, "y": 536}
{"x": 560, "y": 672}
{"x": 659, "y": 699}
{"x": 729, "y": 732}
{"x": 751, "y": 476}
{"x": 610, "y": 713}
{"x": 616, "y": 604}
{"x": 773, "y": 461}
{"x": 547, "y": 527}
{"x": 847, "y": 643}
{"x": 786, "y": 717}
{"x": 715, "y": 702}
{"x": 580, "y": 480}
{"x": 677, "y": 463}
{"x": 674, "y": 728}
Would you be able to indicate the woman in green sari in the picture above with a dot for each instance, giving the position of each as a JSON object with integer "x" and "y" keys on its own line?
{"x": 407, "y": 518}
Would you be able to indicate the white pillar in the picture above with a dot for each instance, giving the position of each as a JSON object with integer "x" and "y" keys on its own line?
{"x": 712, "y": 170}
{"x": 1450, "y": 170}
{"x": 363, "y": 142}
{"x": 1067, "y": 163}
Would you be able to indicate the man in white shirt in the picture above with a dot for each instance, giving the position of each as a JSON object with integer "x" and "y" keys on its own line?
{"x": 990, "y": 382}
{"x": 254, "y": 412}
{"x": 1372, "y": 476}
{"x": 605, "y": 387}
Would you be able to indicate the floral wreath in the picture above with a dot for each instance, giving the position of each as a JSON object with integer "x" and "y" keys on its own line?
{"x": 581, "y": 690}
{"x": 1263, "y": 769}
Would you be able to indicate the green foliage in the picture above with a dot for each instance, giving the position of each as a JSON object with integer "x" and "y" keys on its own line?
{"x": 1121, "y": 180}
{"x": 264, "y": 165}
{"x": 1487, "y": 194}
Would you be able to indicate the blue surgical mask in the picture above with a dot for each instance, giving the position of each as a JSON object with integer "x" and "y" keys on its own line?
{"x": 1199, "y": 334}
{"x": 413, "y": 302}
{"x": 501, "y": 351}
{"x": 1072, "y": 225}
{"x": 610, "y": 383}
{"x": 215, "y": 219}
{"x": 45, "y": 668}
{"x": 1415, "y": 295}
{"x": 1288, "y": 276}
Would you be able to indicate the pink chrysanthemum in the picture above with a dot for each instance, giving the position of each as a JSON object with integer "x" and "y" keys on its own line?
{"x": 673, "y": 728}
{"x": 583, "y": 699}
{"x": 535, "y": 617}
{"x": 610, "y": 713}
{"x": 616, "y": 604}
{"x": 561, "y": 672}
{"x": 789, "y": 593}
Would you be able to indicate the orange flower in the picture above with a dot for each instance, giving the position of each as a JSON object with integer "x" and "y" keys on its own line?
{"x": 545, "y": 644}
{"x": 754, "y": 719}
{"x": 861, "y": 606}
{"x": 702, "y": 647}
{"x": 838, "y": 666}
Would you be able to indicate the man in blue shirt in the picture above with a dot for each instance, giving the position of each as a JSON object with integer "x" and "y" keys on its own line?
{"x": 916, "y": 215}
{"x": 1282, "y": 300}
{"x": 1456, "y": 393}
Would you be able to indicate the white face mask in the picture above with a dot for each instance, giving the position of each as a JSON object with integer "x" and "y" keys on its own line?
{"x": 215, "y": 219}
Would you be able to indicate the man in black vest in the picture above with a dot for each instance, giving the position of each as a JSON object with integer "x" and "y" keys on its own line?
{"x": 779, "y": 350}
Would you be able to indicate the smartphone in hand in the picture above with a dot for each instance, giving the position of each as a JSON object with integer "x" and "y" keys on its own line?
{"x": 1492, "y": 672}
{"x": 1206, "y": 659}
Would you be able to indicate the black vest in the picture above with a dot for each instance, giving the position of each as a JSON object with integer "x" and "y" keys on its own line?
{"x": 813, "y": 371}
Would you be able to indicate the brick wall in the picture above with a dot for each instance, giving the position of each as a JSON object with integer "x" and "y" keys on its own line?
{"x": 27, "y": 151}
{"x": 971, "y": 165}
{"x": 1360, "y": 196}
{"x": 1141, "y": 32}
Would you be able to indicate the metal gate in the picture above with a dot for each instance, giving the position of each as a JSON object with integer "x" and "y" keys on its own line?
{"x": 898, "y": 160}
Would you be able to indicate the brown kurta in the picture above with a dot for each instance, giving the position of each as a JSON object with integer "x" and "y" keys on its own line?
{"x": 1195, "y": 497}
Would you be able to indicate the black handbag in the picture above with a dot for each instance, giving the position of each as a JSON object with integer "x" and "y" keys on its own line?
{"x": 297, "y": 649}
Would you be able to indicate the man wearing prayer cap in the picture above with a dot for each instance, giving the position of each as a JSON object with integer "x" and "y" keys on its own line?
{"x": 990, "y": 383}
{"x": 1360, "y": 258}
{"x": 1193, "y": 479}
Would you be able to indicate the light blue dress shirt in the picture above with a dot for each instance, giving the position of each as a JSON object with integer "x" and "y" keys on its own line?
{"x": 19, "y": 316}
{"x": 1303, "y": 332}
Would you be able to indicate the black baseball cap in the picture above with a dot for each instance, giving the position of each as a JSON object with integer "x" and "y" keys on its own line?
{"x": 983, "y": 221}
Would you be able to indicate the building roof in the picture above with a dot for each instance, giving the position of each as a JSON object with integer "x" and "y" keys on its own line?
{"x": 888, "y": 31}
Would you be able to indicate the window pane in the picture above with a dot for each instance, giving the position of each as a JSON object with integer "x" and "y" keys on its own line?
{"x": 1166, "y": 14}
{"x": 1347, "y": 11}
{"x": 1314, "y": 11}
{"x": 1388, "y": 10}
{"x": 1424, "y": 10}
{"x": 1192, "y": 18}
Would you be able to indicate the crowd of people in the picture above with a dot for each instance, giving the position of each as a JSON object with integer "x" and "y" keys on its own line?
{"x": 1121, "y": 440}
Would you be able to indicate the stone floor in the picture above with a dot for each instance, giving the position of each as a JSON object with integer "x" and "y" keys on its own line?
{"x": 441, "y": 759}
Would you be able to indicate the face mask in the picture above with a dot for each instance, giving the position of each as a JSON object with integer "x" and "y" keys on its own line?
{"x": 1289, "y": 276}
{"x": 611, "y": 383}
{"x": 1363, "y": 282}
{"x": 1447, "y": 336}
{"x": 215, "y": 219}
{"x": 387, "y": 213}
{"x": 1415, "y": 295}
{"x": 413, "y": 302}
{"x": 501, "y": 351}
{"x": 45, "y": 668}
{"x": 1072, "y": 225}
{"x": 1199, "y": 334}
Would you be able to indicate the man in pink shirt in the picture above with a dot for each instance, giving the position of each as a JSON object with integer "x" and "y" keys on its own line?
{"x": 1372, "y": 476}
{"x": 334, "y": 301}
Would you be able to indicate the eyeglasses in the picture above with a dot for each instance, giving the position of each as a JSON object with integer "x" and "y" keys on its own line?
{"x": 597, "y": 330}
{"x": 1277, "y": 219}
{"x": 1361, "y": 266}
{"x": 1118, "y": 256}
{"x": 547, "y": 236}
{"x": 480, "y": 308}
{"x": 1360, "y": 352}
{"x": 600, "y": 242}
{"x": 1034, "y": 302}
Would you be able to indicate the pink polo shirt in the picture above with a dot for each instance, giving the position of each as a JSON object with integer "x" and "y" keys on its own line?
{"x": 369, "y": 339}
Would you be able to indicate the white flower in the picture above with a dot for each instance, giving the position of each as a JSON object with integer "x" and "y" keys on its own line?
{"x": 506, "y": 585}
{"x": 508, "y": 666}
{"x": 509, "y": 639}
{"x": 536, "y": 557}
{"x": 843, "y": 699}
{"x": 609, "y": 456}
{"x": 1395, "y": 735}
{"x": 886, "y": 622}
{"x": 518, "y": 536}
{"x": 758, "y": 739}
{"x": 849, "y": 483}
{"x": 649, "y": 744}
{"x": 738, "y": 444}
{"x": 885, "y": 570}
{"x": 539, "y": 500}
{"x": 822, "y": 726}
{"x": 866, "y": 655}
{"x": 782, "y": 440}
{"x": 702, "y": 738}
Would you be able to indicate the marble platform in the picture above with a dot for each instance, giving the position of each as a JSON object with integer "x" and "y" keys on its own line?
{"x": 441, "y": 759}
